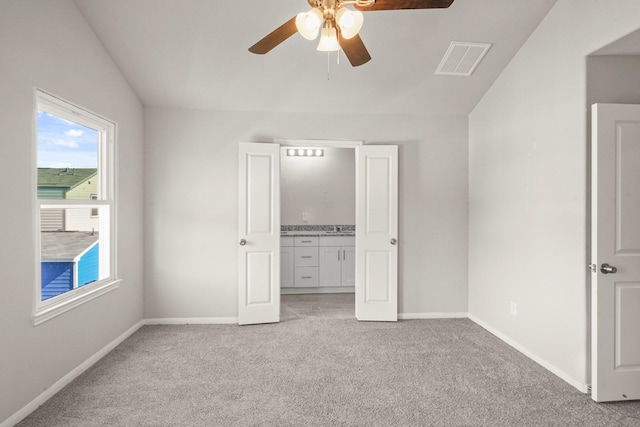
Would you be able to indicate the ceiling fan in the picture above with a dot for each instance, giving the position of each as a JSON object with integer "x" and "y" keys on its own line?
{"x": 339, "y": 25}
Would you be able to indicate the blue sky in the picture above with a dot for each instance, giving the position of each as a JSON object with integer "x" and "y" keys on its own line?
{"x": 64, "y": 144}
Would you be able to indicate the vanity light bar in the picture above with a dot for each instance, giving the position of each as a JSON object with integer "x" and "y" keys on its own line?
{"x": 305, "y": 152}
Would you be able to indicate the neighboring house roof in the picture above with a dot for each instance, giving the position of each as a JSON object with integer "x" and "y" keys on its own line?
{"x": 64, "y": 177}
{"x": 65, "y": 245}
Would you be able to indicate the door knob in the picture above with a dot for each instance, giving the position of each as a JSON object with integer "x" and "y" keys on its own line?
{"x": 394, "y": 241}
{"x": 243, "y": 242}
{"x": 608, "y": 269}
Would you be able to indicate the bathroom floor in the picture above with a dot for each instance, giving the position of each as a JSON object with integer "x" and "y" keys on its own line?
{"x": 326, "y": 306}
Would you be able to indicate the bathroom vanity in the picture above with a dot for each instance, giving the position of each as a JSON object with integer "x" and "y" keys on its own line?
{"x": 317, "y": 259}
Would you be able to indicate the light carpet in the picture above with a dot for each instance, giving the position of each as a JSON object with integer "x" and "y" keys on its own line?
{"x": 323, "y": 372}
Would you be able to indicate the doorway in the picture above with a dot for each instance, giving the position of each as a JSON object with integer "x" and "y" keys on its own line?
{"x": 317, "y": 217}
{"x": 612, "y": 89}
{"x": 376, "y": 254}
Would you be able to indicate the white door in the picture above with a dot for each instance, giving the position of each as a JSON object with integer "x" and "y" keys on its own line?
{"x": 615, "y": 256}
{"x": 259, "y": 233}
{"x": 377, "y": 233}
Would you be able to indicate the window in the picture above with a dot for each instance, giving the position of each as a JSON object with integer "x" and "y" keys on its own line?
{"x": 76, "y": 206}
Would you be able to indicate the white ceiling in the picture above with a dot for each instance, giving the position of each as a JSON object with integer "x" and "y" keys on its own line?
{"x": 193, "y": 54}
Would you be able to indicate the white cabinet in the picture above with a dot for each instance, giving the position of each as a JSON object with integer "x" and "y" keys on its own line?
{"x": 337, "y": 261}
{"x": 306, "y": 262}
{"x": 286, "y": 267}
{"x": 299, "y": 241}
{"x": 306, "y": 277}
{"x": 286, "y": 262}
{"x": 306, "y": 257}
{"x": 349, "y": 266}
{"x": 330, "y": 266}
{"x": 317, "y": 262}
{"x": 299, "y": 262}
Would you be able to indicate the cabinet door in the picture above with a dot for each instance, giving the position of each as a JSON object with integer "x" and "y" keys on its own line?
{"x": 286, "y": 267}
{"x": 305, "y": 241}
{"x": 306, "y": 277}
{"x": 349, "y": 266}
{"x": 306, "y": 257}
{"x": 330, "y": 262}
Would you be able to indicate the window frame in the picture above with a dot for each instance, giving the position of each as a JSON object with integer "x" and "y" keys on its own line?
{"x": 94, "y": 211}
{"x": 107, "y": 132}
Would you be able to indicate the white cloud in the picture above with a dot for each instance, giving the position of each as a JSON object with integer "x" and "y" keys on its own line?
{"x": 65, "y": 143}
{"x": 74, "y": 132}
{"x": 61, "y": 165}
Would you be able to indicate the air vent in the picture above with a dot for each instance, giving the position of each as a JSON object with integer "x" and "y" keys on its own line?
{"x": 462, "y": 58}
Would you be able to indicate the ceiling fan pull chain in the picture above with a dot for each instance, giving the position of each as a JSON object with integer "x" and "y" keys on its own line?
{"x": 328, "y": 65}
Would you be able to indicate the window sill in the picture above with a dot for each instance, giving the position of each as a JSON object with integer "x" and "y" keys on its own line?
{"x": 47, "y": 313}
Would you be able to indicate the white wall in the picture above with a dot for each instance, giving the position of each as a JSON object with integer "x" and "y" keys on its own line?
{"x": 48, "y": 44}
{"x": 80, "y": 219}
{"x": 191, "y": 201}
{"x": 613, "y": 79}
{"x": 323, "y": 187}
{"x": 528, "y": 187}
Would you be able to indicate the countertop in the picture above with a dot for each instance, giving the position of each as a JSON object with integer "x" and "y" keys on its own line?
{"x": 313, "y": 233}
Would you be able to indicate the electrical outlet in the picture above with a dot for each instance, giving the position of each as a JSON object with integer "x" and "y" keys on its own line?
{"x": 305, "y": 216}
{"x": 514, "y": 309}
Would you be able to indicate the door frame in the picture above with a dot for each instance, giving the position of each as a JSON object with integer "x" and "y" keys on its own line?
{"x": 323, "y": 143}
{"x": 608, "y": 381}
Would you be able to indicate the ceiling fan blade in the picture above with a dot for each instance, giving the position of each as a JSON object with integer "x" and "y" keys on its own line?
{"x": 276, "y": 37}
{"x": 354, "y": 49}
{"x": 405, "y": 4}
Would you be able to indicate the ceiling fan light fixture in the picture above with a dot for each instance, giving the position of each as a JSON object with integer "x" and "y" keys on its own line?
{"x": 349, "y": 21}
{"x": 338, "y": 18}
{"x": 328, "y": 40}
{"x": 308, "y": 23}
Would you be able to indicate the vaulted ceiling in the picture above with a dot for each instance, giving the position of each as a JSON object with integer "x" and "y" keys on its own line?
{"x": 193, "y": 54}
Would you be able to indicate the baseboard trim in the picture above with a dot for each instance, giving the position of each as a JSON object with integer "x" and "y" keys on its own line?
{"x": 584, "y": 388}
{"x": 234, "y": 320}
{"x": 192, "y": 321}
{"x": 64, "y": 381}
{"x": 413, "y": 316}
